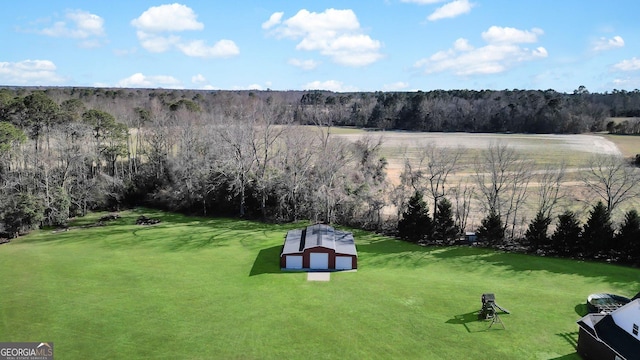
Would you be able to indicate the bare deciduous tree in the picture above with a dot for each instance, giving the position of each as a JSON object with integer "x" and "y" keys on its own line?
{"x": 294, "y": 164}
{"x": 159, "y": 138}
{"x": 407, "y": 187}
{"x": 440, "y": 162}
{"x": 329, "y": 177}
{"x": 462, "y": 195}
{"x": 266, "y": 117}
{"x": 370, "y": 179}
{"x": 549, "y": 189}
{"x": 502, "y": 177}
{"x": 612, "y": 179}
{"x": 192, "y": 162}
{"x": 237, "y": 134}
{"x": 429, "y": 173}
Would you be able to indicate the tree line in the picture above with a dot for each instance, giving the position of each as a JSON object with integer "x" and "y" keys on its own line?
{"x": 67, "y": 151}
{"x": 515, "y": 110}
{"x": 240, "y": 158}
{"x": 526, "y": 208}
{"x": 519, "y": 111}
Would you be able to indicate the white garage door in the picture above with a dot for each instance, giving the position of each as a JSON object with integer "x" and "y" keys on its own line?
{"x": 319, "y": 261}
{"x": 344, "y": 263}
{"x": 294, "y": 262}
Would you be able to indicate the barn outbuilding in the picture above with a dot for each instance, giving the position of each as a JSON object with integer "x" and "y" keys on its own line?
{"x": 319, "y": 247}
{"x": 614, "y": 335}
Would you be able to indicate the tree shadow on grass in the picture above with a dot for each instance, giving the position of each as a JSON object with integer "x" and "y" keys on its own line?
{"x": 163, "y": 236}
{"x": 581, "y": 309}
{"x": 614, "y": 274}
{"x": 464, "y": 319}
{"x": 391, "y": 253}
{"x": 571, "y": 338}
{"x": 472, "y": 324}
{"x": 196, "y": 241}
{"x": 378, "y": 245}
{"x": 383, "y": 251}
{"x": 573, "y": 356}
{"x": 267, "y": 261}
{"x": 386, "y": 246}
{"x": 175, "y": 232}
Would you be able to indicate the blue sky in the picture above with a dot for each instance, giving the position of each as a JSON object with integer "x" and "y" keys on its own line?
{"x": 347, "y": 45}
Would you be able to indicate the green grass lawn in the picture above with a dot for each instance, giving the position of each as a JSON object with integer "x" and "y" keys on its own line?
{"x": 193, "y": 288}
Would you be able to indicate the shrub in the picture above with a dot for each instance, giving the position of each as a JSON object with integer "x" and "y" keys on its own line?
{"x": 566, "y": 238}
{"x": 491, "y": 230}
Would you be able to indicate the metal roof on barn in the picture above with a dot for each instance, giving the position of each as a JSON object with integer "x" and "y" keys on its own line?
{"x": 319, "y": 235}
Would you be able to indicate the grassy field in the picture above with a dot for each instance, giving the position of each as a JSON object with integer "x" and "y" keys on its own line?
{"x": 540, "y": 151}
{"x": 629, "y": 145}
{"x": 193, "y": 288}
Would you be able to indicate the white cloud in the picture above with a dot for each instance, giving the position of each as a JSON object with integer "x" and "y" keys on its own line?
{"x": 156, "y": 28}
{"x": 334, "y": 33}
{"x": 509, "y": 35}
{"x": 422, "y": 2}
{"x": 84, "y": 25}
{"x": 603, "y": 44}
{"x": 451, "y": 10}
{"x": 198, "y": 79}
{"x": 125, "y": 52}
{"x": 29, "y": 72}
{"x": 167, "y": 18}
{"x": 315, "y": 26}
{"x": 249, "y": 87}
{"x": 304, "y": 64}
{"x": 632, "y": 64}
{"x": 157, "y": 44}
{"x": 198, "y": 48}
{"x": 274, "y": 20}
{"x": 396, "y": 86}
{"x": 87, "y": 24}
{"x": 90, "y": 43}
{"x": 331, "y": 85}
{"x": 462, "y": 45}
{"x": 540, "y": 52}
{"x": 626, "y": 83}
{"x": 78, "y": 24}
{"x": 501, "y": 53}
{"x": 139, "y": 80}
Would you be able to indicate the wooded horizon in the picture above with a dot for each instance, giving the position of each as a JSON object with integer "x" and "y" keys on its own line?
{"x": 66, "y": 151}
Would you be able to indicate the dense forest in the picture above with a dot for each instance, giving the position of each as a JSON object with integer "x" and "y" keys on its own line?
{"x": 66, "y": 151}
{"x": 518, "y": 111}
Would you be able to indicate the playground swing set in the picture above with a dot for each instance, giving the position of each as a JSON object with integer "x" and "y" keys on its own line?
{"x": 490, "y": 310}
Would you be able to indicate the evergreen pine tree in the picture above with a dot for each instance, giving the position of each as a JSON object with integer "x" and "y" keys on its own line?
{"x": 628, "y": 239}
{"x": 415, "y": 225}
{"x": 491, "y": 230}
{"x": 598, "y": 231}
{"x": 536, "y": 234}
{"x": 444, "y": 227}
{"x": 566, "y": 238}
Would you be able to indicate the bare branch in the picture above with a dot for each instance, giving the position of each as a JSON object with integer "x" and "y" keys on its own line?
{"x": 611, "y": 179}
